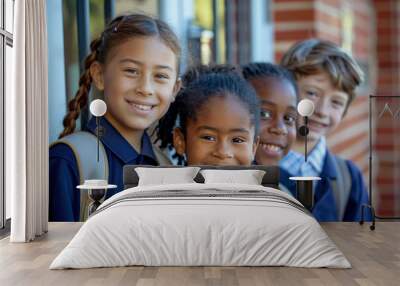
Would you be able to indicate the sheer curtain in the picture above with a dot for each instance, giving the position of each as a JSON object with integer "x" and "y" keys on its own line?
{"x": 26, "y": 124}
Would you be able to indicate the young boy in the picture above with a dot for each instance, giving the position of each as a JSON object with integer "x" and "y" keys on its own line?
{"x": 328, "y": 76}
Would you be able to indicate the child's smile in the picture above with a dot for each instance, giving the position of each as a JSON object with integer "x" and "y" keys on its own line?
{"x": 317, "y": 126}
{"x": 222, "y": 134}
{"x": 278, "y": 118}
{"x": 329, "y": 102}
{"x": 139, "y": 107}
{"x": 272, "y": 150}
{"x": 141, "y": 76}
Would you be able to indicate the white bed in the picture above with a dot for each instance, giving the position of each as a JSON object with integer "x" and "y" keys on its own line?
{"x": 201, "y": 224}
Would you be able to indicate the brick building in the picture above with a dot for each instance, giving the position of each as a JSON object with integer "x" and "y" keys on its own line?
{"x": 370, "y": 31}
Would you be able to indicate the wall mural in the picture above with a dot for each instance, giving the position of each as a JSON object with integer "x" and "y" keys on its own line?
{"x": 385, "y": 155}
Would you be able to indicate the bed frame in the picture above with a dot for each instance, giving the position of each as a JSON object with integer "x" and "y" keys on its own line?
{"x": 270, "y": 179}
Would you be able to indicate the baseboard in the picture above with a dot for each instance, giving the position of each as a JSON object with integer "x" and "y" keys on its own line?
{"x": 5, "y": 231}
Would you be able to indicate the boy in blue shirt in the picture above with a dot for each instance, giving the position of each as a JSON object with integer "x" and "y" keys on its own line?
{"x": 328, "y": 76}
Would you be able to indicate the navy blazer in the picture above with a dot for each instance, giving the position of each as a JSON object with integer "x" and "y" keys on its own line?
{"x": 324, "y": 200}
{"x": 64, "y": 197}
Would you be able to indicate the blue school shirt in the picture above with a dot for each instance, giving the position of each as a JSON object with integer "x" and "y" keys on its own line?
{"x": 324, "y": 201}
{"x": 295, "y": 162}
{"x": 64, "y": 197}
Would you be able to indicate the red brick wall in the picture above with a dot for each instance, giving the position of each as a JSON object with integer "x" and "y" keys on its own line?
{"x": 387, "y": 139}
{"x": 351, "y": 139}
{"x": 237, "y": 26}
{"x": 294, "y": 20}
{"x": 374, "y": 42}
{"x": 325, "y": 19}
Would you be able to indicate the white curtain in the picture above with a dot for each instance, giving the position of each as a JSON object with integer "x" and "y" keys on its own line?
{"x": 26, "y": 124}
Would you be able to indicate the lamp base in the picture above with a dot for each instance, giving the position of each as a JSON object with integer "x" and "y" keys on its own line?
{"x": 96, "y": 195}
{"x": 305, "y": 193}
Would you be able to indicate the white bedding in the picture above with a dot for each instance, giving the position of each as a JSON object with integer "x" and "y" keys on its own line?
{"x": 201, "y": 224}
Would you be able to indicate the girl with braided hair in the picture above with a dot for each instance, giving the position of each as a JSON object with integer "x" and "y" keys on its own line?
{"x": 214, "y": 119}
{"x": 134, "y": 62}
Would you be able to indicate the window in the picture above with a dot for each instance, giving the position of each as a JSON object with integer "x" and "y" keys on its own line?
{"x": 79, "y": 29}
{"x": 6, "y": 44}
{"x": 207, "y": 41}
{"x": 149, "y": 7}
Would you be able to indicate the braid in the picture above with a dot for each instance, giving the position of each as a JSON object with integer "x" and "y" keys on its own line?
{"x": 166, "y": 125}
{"x": 81, "y": 97}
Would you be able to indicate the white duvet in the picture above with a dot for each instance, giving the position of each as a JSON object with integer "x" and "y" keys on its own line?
{"x": 201, "y": 224}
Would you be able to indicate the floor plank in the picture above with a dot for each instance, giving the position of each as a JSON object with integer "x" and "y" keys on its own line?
{"x": 374, "y": 255}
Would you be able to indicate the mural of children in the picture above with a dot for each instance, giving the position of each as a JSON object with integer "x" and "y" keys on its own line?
{"x": 134, "y": 62}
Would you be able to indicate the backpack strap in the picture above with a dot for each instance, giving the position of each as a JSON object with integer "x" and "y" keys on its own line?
{"x": 341, "y": 186}
{"x": 84, "y": 146}
{"x": 161, "y": 156}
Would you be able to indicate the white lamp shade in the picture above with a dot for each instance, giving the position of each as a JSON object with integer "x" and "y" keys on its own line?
{"x": 305, "y": 107}
{"x": 98, "y": 107}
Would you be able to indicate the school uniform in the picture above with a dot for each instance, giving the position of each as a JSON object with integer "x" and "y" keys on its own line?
{"x": 321, "y": 163}
{"x": 64, "y": 197}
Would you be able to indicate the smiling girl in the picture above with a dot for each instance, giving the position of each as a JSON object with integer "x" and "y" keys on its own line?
{"x": 277, "y": 91}
{"x": 134, "y": 63}
{"x": 217, "y": 114}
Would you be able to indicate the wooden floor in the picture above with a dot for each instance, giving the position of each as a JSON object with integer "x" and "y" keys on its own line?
{"x": 374, "y": 255}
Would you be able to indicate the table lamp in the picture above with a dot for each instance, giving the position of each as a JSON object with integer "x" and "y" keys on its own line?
{"x": 305, "y": 108}
{"x": 96, "y": 187}
{"x": 98, "y": 108}
{"x": 304, "y": 185}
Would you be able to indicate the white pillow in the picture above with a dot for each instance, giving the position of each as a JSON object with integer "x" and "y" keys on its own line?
{"x": 163, "y": 176}
{"x": 248, "y": 177}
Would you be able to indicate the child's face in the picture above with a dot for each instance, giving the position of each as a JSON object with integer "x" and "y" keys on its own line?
{"x": 139, "y": 79}
{"x": 278, "y": 119}
{"x": 329, "y": 101}
{"x": 222, "y": 134}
